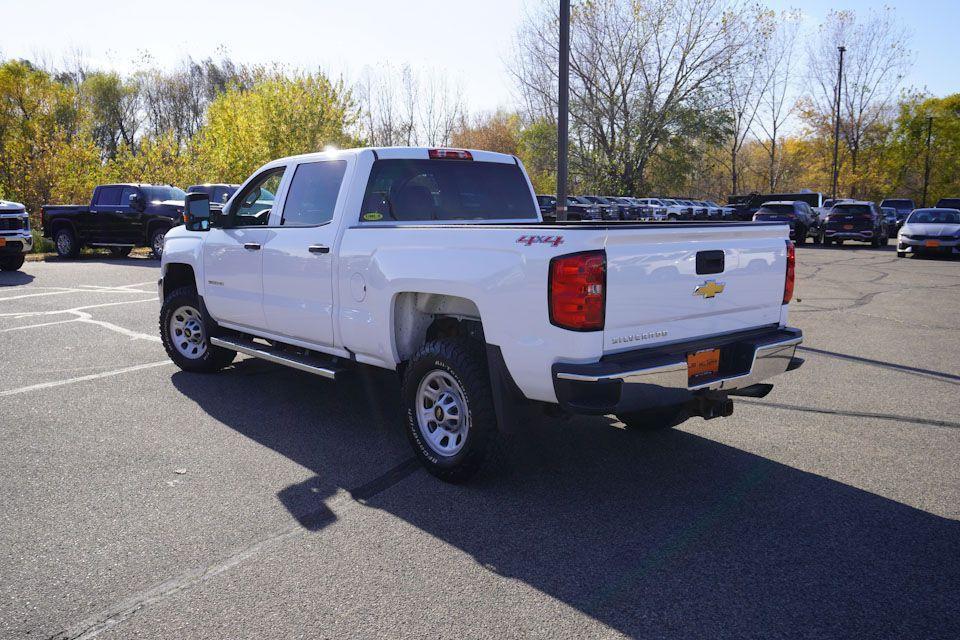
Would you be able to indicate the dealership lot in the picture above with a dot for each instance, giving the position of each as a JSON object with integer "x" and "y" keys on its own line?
{"x": 265, "y": 502}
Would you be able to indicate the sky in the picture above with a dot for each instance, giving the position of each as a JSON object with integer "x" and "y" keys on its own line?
{"x": 468, "y": 41}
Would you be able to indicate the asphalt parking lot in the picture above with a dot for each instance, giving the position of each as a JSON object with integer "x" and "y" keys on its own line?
{"x": 141, "y": 501}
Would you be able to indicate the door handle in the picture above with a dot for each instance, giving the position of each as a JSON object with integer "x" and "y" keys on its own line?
{"x": 318, "y": 248}
{"x": 252, "y": 246}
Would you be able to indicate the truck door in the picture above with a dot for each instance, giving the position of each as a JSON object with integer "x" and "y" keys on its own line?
{"x": 298, "y": 257}
{"x": 129, "y": 222}
{"x": 105, "y": 212}
{"x": 233, "y": 256}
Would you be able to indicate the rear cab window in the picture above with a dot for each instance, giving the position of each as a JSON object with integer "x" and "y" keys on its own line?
{"x": 446, "y": 190}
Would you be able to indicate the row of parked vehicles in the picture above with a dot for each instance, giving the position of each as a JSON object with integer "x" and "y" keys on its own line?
{"x": 628, "y": 208}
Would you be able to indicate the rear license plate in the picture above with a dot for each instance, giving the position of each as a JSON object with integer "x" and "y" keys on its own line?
{"x": 848, "y": 227}
{"x": 703, "y": 364}
{"x": 926, "y": 243}
{"x": 3, "y": 242}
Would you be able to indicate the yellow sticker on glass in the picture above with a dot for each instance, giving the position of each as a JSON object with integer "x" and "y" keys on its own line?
{"x": 373, "y": 216}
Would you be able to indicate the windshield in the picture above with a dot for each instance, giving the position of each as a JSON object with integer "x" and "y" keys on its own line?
{"x": 934, "y": 216}
{"x": 851, "y": 209}
{"x": 948, "y": 203}
{"x": 164, "y": 193}
{"x": 897, "y": 204}
{"x": 776, "y": 209}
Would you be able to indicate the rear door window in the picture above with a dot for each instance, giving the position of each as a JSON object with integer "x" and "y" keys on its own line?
{"x": 108, "y": 196}
{"x": 313, "y": 193}
{"x": 444, "y": 190}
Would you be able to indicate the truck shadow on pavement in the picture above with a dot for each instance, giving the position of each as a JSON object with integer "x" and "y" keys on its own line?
{"x": 658, "y": 535}
{"x": 14, "y": 278}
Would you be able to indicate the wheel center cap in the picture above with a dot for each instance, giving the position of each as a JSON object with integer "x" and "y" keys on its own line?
{"x": 438, "y": 412}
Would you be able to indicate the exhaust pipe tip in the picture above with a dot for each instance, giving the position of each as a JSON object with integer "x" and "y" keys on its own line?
{"x": 710, "y": 408}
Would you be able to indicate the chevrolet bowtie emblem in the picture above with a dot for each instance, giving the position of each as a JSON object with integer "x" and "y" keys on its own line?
{"x": 709, "y": 289}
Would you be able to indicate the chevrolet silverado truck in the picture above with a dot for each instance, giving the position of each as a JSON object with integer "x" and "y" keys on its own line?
{"x": 434, "y": 263}
{"x": 15, "y": 239}
{"x": 119, "y": 218}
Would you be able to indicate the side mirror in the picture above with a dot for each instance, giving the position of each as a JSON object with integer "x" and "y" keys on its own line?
{"x": 136, "y": 202}
{"x": 196, "y": 212}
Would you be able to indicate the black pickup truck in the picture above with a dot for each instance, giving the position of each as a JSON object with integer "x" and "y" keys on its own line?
{"x": 119, "y": 217}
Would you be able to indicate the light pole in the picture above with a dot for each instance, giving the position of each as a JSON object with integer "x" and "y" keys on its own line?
{"x": 926, "y": 163}
{"x": 563, "y": 109}
{"x": 836, "y": 126}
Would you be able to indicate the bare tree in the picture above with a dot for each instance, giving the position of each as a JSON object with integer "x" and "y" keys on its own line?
{"x": 777, "y": 104}
{"x": 636, "y": 68}
{"x": 745, "y": 79}
{"x": 402, "y": 107}
{"x": 877, "y": 57}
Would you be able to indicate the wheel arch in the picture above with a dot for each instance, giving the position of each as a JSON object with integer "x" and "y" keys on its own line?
{"x": 419, "y": 317}
{"x": 176, "y": 275}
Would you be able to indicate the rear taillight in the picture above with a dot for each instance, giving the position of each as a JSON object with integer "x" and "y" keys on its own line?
{"x": 450, "y": 154}
{"x": 791, "y": 273}
{"x": 577, "y": 290}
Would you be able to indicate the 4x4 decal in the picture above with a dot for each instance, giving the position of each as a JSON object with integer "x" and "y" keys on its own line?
{"x": 555, "y": 241}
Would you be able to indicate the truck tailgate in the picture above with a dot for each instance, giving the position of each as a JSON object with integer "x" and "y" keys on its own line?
{"x": 658, "y": 291}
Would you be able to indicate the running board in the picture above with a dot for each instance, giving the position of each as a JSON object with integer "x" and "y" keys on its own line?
{"x": 310, "y": 364}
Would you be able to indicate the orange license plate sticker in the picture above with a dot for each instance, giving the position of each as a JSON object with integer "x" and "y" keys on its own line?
{"x": 702, "y": 364}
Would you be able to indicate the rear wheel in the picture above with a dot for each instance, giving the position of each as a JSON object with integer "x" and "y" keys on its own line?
{"x": 11, "y": 263}
{"x": 450, "y": 419}
{"x": 66, "y": 242}
{"x": 186, "y": 336}
{"x": 156, "y": 242}
{"x": 800, "y": 235}
{"x": 654, "y": 419}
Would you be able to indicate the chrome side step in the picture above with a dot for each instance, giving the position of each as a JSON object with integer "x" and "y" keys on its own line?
{"x": 310, "y": 364}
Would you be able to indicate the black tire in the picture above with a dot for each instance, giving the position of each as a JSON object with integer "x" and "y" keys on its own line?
{"x": 826, "y": 241}
{"x": 461, "y": 361}
{"x": 840, "y": 243}
{"x": 901, "y": 254}
{"x": 119, "y": 252}
{"x": 818, "y": 238}
{"x": 12, "y": 263}
{"x": 800, "y": 235}
{"x": 875, "y": 243}
{"x": 655, "y": 419}
{"x": 66, "y": 243}
{"x": 156, "y": 242}
{"x": 212, "y": 358}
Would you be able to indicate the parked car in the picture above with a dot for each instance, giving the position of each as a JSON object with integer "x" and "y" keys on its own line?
{"x": 548, "y": 207}
{"x": 608, "y": 210}
{"x": 890, "y": 215}
{"x": 676, "y": 210}
{"x": 860, "y": 221}
{"x": 119, "y": 217}
{"x": 487, "y": 322}
{"x": 629, "y": 210}
{"x": 726, "y": 211}
{"x": 714, "y": 211}
{"x": 798, "y": 214}
{"x": 746, "y": 205}
{"x": 15, "y": 238}
{"x": 933, "y": 230}
{"x": 218, "y": 193}
{"x": 651, "y": 209}
{"x": 903, "y": 206}
{"x": 580, "y": 208}
{"x": 948, "y": 203}
{"x": 697, "y": 211}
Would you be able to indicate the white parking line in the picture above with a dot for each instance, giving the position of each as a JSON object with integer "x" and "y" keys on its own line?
{"x": 37, "y": 326}
{"x": 93, "y": 376}
{"x": 63, "y": 291}
{"x": 82, "y": 316}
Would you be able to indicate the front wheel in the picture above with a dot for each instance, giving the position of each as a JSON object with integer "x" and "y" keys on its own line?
{"x": 801, "y": 236}
{"x": 66, "y": 242}
{"x": 11, "y": 263}
{"x": 186, "y": 336}
{"x": 901, "y": 254}
{"x": 450, "y": 418}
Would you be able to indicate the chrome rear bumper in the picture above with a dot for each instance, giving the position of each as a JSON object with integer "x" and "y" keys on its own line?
{"x": 649, "y": 378}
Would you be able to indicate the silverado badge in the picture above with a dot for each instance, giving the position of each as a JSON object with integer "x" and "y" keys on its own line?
{"x": 709, "y": 289}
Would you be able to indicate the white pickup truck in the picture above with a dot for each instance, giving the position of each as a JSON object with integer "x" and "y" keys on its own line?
{"x": 435, "y": 263}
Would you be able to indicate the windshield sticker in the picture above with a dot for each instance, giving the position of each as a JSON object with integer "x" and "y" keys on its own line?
{"x": 555, "y": 241}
